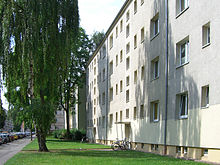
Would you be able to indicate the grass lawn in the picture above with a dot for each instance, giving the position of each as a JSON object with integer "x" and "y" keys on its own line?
{"x": 59, "y": 156}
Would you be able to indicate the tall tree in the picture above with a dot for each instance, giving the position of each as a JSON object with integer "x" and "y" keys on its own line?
{"x": 97, "y": 38}
{"x": 73, "y": 71}
{"x": 2, "y": 116}
{"x": 37, "y": 38}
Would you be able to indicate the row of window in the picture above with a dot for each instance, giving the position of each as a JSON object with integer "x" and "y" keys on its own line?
{"x": 181, "y": 106}
{"x": 181, "y": 6}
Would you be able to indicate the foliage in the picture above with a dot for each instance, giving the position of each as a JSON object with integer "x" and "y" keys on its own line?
{"x": 35, "y": 44}
{"x": 2, "y": 117}
{"x": 73, "y": 73}
{"x": 74, "y": 134}
{"x": 97, "y": 38}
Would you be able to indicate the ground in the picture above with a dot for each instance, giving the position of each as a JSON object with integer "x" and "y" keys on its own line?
{"x": 67, "y": 152}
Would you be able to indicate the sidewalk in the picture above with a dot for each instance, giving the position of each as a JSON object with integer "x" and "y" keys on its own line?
{"x": 9, "y": 150}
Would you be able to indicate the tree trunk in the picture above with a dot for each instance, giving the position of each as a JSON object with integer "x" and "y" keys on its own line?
{"x": 41, "y": 137}
{"x": 67, "y": 110}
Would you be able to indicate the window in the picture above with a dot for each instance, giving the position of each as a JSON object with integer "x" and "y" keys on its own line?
{"x": 183, "y": 105}
{"x": 94, "y": 110}
{"x": 121, "y": 55}
{"x": 155, "y": 25}
{"x": 135, "y": 77}
{"x": 142, "y": 111}
{"x": 185, "y": 150}
{"x": 111, "y": 68}
{"x": 135, "y": 6}
{"x": 128, "y": 48}
{"x": 178, "y": 149}
{"x": 103, "y": 75}
{"x": 94, "y": 122}
{"x": 120, "y": 115}
{"x": 127, "y": 30}
{"x": 152, "y": 147}
{"x": 183, "y": 51}
{"x": 127, "y": 96}
{"x": 116, "y": 32}
{"x": 181, "y": 5}
{"x": 103, "y": 121}
{"x": 116, "y": 116}
{"x": 94, "y": 90}
{"x": 155, "y": 68}
{"x": 116, "y": 60}
{"x": 156, "y": 147}
{"x": 135, "y": 113}
{"x": 127, "y": 80}
{"x": 135, "y": 41}
{"x": 95, "y": 81}
{"x": 111, "y": 120}
{"x": 206, "y": 35}
{"x": 142, "y": 35}
{"x": 205, "y": 152}
{"x": 116, "y": 89}
{"x": 127, "y": 113}
{"x": 94, "y": 102}
{"x": 142, "y": 72}
{"x": 121, "y": 26}
{"x": 142, "y": 1}
{"x": 104, "y": 51}
{"x": 111, "y": 41}
{"x": 121, "y": 86}
{"x": 155, "y": 111}
{"x": 103, "y": 98}
{"x": 127, "y": 15}
{"x": 205, "y": 96}
{"x": 100, "y": 77}
{"x": 127, "y": 63}
{"x": 111, "y": 94}
{"x": 100, "y": 98}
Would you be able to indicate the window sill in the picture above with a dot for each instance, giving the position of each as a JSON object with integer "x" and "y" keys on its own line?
{"x": 156, "y": 121}
{"x": 135, "y": 12}
{"x": 205, "y": 107}
{"x": 183, "y": 117}
{"x": 182, "y": 12}
{"x": 142, "y": 3}
{"x": 142, "y": 41}
{"x": 155, "y": 78}
{"x": 206, "y": 45}
{"x": 135, "y": 47}
{"x": 155, "y": 36}
{"x": 182, "y": 65}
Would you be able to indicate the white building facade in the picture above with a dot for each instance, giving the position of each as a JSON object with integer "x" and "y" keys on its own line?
{"x": 152, "y": 79}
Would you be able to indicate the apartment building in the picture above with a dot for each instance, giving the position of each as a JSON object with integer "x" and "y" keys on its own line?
{"x": 152, "y": 79}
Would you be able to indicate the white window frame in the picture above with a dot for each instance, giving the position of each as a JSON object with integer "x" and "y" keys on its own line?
{"x": 158, "y": 111}
{"x": 181, "y": 108}
{"x": 156, "y": 68}
{"x": 184, "y": 46}
{"x": 156, "y": 28}
{"x": 205, "y": 97}
{"x": 206, "y": 40}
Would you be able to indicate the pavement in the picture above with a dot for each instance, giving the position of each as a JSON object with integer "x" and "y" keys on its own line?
{"x": 10, "y": 149}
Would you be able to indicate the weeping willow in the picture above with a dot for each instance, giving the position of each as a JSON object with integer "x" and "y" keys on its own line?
{"x": 36, "y": 42}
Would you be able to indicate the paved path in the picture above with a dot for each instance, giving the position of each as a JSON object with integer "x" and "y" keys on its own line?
{"x": 10, "y": 149}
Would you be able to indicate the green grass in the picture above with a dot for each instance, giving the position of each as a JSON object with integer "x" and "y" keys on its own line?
{"x": 88, "y": 157}
{"x": 53, "y": 143}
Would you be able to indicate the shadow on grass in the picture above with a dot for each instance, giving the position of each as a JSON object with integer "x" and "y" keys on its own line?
{"x": 119, "y": 154}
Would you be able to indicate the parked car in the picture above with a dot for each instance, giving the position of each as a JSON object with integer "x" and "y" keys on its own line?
{"x": 1, "y": 141}
{"x": 5, "y": 139}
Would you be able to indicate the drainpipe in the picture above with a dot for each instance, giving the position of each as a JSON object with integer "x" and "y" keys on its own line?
{"x": 106, "y": 103}
{"x": 166, "y": 77}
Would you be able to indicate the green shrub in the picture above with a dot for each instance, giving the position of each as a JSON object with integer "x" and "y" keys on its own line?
{"x": 74, "y": 134}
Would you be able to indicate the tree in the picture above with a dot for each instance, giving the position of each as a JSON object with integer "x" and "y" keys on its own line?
{"x": 2, "y": 116}
{"x": 97, "y": 38}
{"x": 73, "y": 71}
{"x": 35, "y": 44}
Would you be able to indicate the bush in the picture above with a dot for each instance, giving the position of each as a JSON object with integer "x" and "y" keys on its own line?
{"x": 74, "y": 134}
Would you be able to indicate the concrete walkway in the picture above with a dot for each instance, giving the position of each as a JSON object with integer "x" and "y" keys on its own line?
{"x": 10, "y": 149}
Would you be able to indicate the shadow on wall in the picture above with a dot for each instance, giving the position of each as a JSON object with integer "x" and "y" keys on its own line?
{"x": 184, "y": 132}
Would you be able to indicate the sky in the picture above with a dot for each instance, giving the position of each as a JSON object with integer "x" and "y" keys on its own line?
{"x": 97, "y": 15}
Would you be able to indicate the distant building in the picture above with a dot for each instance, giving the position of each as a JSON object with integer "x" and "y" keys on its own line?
{"x": 9, "y": 126}
{"x": 60, "y": 121}
{"x": 155, "y": 79}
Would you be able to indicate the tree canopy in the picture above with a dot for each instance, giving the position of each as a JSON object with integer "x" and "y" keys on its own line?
{"x": 35, "y": 44}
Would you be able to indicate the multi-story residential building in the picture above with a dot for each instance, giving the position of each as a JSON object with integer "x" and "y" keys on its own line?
{"x": 152, "y": 79}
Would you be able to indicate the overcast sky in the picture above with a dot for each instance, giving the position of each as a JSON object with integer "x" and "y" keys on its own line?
{"x": 97, "y": 15}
